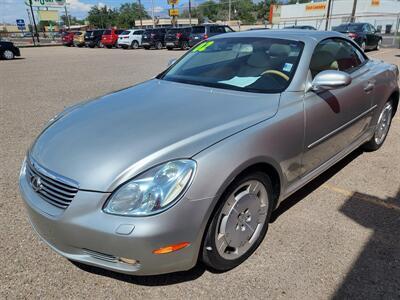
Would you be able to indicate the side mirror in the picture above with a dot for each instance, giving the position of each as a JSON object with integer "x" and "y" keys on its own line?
{"x": 330, "y": 80}
{"x": 171, "y": 62}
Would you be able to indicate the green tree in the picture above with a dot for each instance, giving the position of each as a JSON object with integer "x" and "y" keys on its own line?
{"x": 102, "y": 17}
{"x": 129, "y": 13}
{"x": 73, "y": 20}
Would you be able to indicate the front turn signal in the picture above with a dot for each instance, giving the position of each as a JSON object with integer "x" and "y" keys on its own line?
{"x": 171, "y": 248}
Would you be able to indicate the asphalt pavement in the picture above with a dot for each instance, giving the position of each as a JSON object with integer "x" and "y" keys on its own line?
{"x": 336, "y": 238}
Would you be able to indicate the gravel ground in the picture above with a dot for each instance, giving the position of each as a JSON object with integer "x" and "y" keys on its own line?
{"x": 336, "y": 238}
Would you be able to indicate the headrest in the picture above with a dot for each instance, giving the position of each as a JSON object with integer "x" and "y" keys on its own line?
{"x": 258, "y": 59}
{"x": 279, "y": 50}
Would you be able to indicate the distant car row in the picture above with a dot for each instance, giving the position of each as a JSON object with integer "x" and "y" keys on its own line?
{"x": 158, "y": 38}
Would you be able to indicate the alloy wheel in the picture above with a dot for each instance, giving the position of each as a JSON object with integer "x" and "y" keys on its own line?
{"x": 241, "y": 219}
{"x": 383, "y": 125}
{"x": 8, "y": 54}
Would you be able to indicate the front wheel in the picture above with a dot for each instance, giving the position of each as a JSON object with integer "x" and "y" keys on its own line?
{"x": 363, "y": 46}
{"x": 158, "y": 45}
{"x": 240, "y": 223}
{"x": 8, "y": 54}
{"x": 185, "y": 45}
{"x": 135, "y": 45}
{"x": 382, "y": 128}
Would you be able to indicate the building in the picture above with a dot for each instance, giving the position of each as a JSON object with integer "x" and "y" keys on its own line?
{"x": 382, "y": 14}
{"x": 166, "y": 22}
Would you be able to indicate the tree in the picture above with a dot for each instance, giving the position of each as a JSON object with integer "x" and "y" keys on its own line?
{"x": 102, "y": 17}
{"x": 73, "y": 20}
{"x": 129, "y": 13}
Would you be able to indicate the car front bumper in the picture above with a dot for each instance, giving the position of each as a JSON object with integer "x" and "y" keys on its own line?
{"x": 84, "y": 233}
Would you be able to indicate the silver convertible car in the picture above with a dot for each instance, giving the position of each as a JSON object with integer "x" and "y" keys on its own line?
{"x": 188, "y": 166}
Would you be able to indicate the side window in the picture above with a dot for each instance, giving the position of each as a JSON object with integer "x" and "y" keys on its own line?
{"x": 335, "y": 54}
{"x": 213, "y": 29}
{"x": 228, "y": 29}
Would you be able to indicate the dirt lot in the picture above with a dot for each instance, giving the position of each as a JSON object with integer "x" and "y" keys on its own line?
{"x": 336, "y": 238}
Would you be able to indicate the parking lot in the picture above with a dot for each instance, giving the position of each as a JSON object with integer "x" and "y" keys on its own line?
{"x": 336, "y": 238}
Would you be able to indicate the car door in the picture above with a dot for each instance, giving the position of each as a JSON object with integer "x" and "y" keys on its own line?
{"x": 137, "y": 36}
{"x": 336, "y": 118}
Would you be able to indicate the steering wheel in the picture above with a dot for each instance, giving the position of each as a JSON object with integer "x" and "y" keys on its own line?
{"x": 276, "y": 72}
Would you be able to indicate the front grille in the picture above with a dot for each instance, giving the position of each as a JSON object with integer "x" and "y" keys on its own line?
{"x": 54, "y": 189}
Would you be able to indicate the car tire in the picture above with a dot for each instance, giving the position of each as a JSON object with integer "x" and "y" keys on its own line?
{"x": 247, "y": 203}
{"x": 185, "y": 45}
{"x": 146, "y": 47}
{"x": 8, "y": 54}
{"x": 378, "y": 45}
{"x": 158, "y": 45}
{"x": 382, "y": 128}
{"x": 363, "y": 46}
{"x": 135, "y": 45}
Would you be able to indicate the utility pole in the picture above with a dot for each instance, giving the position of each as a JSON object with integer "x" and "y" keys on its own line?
{"x": 30, "y": 22}
{"x": 140, "y": 14}
{"x": 152, "y": 13}
{"x": 190, "y": 12}
{"x": 229, "y": 11}
{"x": 34, "y": 22}
{"x": 328, "y": 15}
{"x": 353, "y": 12}
{"x": 67, "y": 16}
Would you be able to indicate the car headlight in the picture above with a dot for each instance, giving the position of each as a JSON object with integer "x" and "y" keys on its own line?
{"x": 154, "y": 191}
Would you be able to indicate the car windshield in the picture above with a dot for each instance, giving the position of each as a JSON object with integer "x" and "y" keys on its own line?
{"x": 126, "y": 32}
{"x": 106, "y": 32}
{"x": 198, "y": 29}
{"x": 260, "y": 65}
{"x": 176, "y": 30}
{"x": 349, "y": 27}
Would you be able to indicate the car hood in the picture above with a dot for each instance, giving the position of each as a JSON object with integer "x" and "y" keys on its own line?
{"x": 104, "y": 142}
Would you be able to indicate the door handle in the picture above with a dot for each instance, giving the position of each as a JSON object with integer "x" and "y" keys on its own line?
{"x": 369, "y": 88}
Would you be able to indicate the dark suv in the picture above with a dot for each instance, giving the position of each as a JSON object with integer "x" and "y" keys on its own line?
{"x": 202, "y": 32}
{"x": 154, "y": 37}
{"x": 364, "y": 34}
{"x": 93, "y": 38}
{"x": 178, "y": 38}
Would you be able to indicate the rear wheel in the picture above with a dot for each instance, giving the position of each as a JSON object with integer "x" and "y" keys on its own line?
{"x": 363, "y": 46}
{"x": 158, "y": 45}
{"x": 379, "y": 45}
{"x": 382, "y": 128}
{"x": 135, "y": 45}
{"x": 240, "y": 223}
{"x": 185, "y": 45}
{"x": 8, "y": 54}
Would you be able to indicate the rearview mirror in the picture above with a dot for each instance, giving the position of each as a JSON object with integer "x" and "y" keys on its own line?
{"x": 171, "y": 62}
{"x": 329, "y": 80}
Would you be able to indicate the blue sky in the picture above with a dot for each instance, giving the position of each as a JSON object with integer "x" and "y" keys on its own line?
{"x": 10, "y": 10}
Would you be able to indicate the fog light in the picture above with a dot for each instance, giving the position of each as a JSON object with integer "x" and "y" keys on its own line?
{"x": 171, "y": 248}
{"x": 129, "y": 261}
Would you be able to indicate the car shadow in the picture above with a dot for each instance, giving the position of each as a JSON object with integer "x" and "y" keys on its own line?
{"x": 313, "y": 185}
{"x": 154, "y": 280}
{"x": 375, "y": 274}
{"x": 15, "y": 58}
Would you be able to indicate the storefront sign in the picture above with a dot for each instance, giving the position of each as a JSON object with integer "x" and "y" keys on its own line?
{"x": 316, "y": 6}
{"x": 173, "y": 12}
{"x": 375, "y": 2}
{"x": 46, "y": 3}
{"x": 173, "y": 2}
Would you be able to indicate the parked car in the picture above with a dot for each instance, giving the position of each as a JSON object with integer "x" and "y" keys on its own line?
{"x": 189, "y": 165}
{"x": 27, "y": 34}
{"x": 131, "y": 38}
{"x": 178, "y": 38}
{"x": 68, "y": 38}
{"x": 79, "y": 39}
{"x": 93, "y": 38}
{"x": 110, "y": 37}
{"x": 203, "y": 32}
{"x": 307, "y": 27}
{"x": 8, "y": 50}
{"x": 364, "y": 34}
{"x": 154, "y": 37}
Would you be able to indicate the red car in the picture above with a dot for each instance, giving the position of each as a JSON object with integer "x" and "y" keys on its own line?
{"x": 68, "y": 38}
{"x": 110, "y": 37}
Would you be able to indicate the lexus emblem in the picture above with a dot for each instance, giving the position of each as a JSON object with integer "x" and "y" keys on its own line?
{"x": 36, "y": 183}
